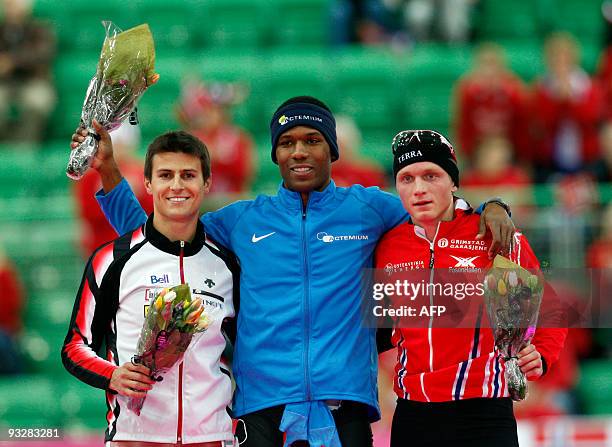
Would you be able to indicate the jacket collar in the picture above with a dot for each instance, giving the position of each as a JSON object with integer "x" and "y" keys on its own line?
{"x": 164, "y": 244}
{"x": 462, "y": 208}
{"x": 293, "y": 200}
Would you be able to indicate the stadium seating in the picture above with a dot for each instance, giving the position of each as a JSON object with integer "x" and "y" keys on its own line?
{"x": 595, "y": 387}
{"x": 229, "y": 25}
{"x": 300, "y": 23}
{"x": 28, "y": 401}
{"x": 508, "y": 20}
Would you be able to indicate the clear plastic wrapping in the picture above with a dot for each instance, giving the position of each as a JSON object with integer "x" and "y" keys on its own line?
{"x": 513, "y": 297}
{"x": 125, "y": 70}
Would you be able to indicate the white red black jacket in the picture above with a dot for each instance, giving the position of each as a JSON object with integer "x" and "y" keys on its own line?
{"x": 120, "y": 280}
{"x": 439, "y": 364}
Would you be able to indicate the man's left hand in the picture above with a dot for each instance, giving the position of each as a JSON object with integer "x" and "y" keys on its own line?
{"x": 495, "y": 218}
{"x": 530, "y": 362}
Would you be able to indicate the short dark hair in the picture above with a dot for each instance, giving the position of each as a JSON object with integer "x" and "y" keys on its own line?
{"x": 177, "y": 141}
{"x": 304, "y": 99}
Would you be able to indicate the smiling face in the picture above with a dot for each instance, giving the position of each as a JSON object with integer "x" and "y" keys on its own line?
{"x": 177, "y": 186}
{"x": 304, "y": 159}
{"x": 426, "y": 191}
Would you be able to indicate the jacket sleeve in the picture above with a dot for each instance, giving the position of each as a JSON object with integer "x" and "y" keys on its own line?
{"x": 221, "y": 223}
{"x": 550, "y": 335}
{"x": 387, "y": 206}
{"x": 121, "y": 208}
{"x": 89, "y": 325}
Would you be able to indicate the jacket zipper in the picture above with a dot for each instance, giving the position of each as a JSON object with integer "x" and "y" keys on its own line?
{"x": 432, "y": 245}
{"x": 306, "y": 305}
{"x": 179, "y": 426}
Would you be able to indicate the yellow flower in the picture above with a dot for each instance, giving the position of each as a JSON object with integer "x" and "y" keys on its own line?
{"x": 501, "y": 287}
{"x": 159, "y": 302}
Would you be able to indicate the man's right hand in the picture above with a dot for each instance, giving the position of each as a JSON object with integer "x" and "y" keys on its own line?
{"x": 131, "y": 380}
{"x": 104, "y": 161}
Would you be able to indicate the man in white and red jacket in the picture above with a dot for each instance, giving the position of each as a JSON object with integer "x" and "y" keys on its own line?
{"x": 449, "y": 380}
{"x": 189, "y": 407}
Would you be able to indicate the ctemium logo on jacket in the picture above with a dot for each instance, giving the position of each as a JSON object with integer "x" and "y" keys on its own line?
{"x": 328, "y": 238}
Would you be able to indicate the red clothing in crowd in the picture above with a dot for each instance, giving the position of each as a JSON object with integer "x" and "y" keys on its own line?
{"x": 95, "y": 228}
{"x": 231, "y": 153}
{"x": 551, "y": 116}
{"x": 599, "y": 254}
{"x": 512, "y": 176}
{"x": 482, "y": 111}
{"x": 604, "y": 77}
{"x": 599, "y": 260}
{"x": 347, "y": 173}
{"x": 12, "y": 298}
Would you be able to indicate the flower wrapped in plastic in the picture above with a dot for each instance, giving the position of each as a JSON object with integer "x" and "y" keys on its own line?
{"x": 172, "y": 320}
{"x": 513, "y": 296}
{"x": 125, "y": 70}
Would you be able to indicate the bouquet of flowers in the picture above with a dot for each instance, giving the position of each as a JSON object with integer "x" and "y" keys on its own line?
{"x": 124, "y": 72}
{"x": 170, "y": 324}
{"x": 512, "y": 296}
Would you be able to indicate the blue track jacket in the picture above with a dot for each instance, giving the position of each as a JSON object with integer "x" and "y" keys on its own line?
{"x": 300, "y": 336}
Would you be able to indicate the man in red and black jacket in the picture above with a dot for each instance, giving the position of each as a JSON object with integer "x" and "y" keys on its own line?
{"x": 449, "y": 380}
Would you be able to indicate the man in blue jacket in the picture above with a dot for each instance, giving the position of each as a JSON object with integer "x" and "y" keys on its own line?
{"x": 303, "y": 362}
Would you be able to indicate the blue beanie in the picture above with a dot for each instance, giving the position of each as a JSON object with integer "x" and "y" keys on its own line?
{"x": 304, "y": 114}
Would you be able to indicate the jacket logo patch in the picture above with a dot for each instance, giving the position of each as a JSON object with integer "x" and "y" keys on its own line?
{"x": 464, "y": 262}
{"x": 163, "y": 279}
{"x": 463, "y": 244}
{"x": 256, "y": 239}
{"x": 150, "y": 295}
{"x": 328, "y": 238}
{"x": 210, "y": 283}
{"x": 391, "y": 268}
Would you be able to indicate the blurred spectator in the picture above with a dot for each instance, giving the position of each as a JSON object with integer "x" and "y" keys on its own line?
{"x": 375, "y": 22}
{"x": 599, "y": 259}
{"x": 351, "y": 169}
{"x": 494, "y": 174}
{"x": 599, "y": 254}
{"x": 490, "y": 101}
{"x": 438, "y": 20}
{"x": 27, "y": 49}
{"x": 493, "y": 166}
{"x": 566, "y": 110}
{"x": 10, "y": 318}
{"x": 601, "y": 169}
{"x": 204, "y": 110}
{"x": 95, "y": 229}
{"x": 575, "y": 194}
{"x": 604, "y": 70}
{"x": 369, "y": 22}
